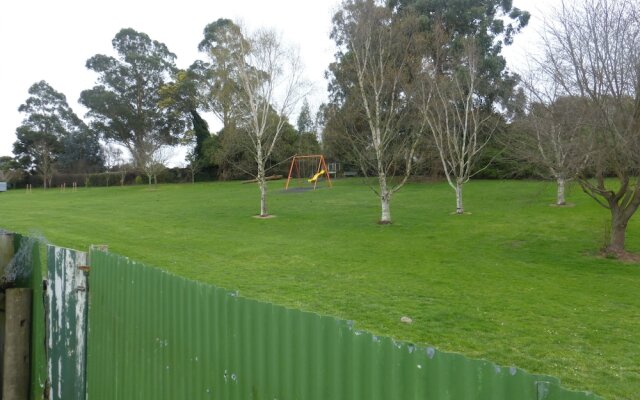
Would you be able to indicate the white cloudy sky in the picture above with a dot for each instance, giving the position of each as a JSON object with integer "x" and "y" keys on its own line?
{"x": 51, "y": 40}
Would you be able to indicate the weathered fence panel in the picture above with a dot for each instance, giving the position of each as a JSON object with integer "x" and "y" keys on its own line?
{"x": 66, "y": 323}
{"x": 153, "y": 335}
{"x": 37, "y": 281}
{"x": 27, "y": 270}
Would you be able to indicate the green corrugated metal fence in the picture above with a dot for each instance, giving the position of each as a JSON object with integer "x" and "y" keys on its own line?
{"x": 38, "y": 385}
{"x": 153, "y": 335}
{"x": 157, "y": 336}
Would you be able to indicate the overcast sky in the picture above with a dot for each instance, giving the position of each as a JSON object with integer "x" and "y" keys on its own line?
{"x": 51, "y": 40}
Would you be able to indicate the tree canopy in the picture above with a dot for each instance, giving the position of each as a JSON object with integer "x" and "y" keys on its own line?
{"x": 223, "y": 44}
{"x": 52, "y": 136}
{"x": 491, "y": 23}
{"x": 123, "y": 106}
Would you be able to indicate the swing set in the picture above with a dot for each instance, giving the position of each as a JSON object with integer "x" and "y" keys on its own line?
{"x": 308, "y": 170}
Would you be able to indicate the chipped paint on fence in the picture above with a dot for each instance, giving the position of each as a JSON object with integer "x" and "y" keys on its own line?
{"x": 153, "y": 335}
{"x": 66, "y": 323}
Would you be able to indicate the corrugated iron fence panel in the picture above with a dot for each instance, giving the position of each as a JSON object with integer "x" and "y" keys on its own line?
{"x": 66, "y": 323}
{"x": 38, "y": 320}
{"x": 157, "y": 336}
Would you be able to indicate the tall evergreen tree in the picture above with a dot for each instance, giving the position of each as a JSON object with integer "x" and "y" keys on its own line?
{"x": 181, "y": 97}
{"x": 491, "y": 23}
{"x": 223, "y": 44}
{"x": 124, "y": 105}
{"x": 53, "y": 136}
{"x": 305, "y": 122}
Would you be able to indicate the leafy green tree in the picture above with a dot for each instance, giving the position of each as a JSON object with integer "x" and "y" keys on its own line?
{"x": 305, "y": 123}
{"x": 234, "y": 154}
{"x": 307, "y": 139}
{"x": 53, "y": 136}
{"x": 81, "y": 151}
{"x": 335, "y": 144}
{"x": 223, "y": 44}
{"x": 10, "y": 170}
{"x": 291, "y": 142}
{"x": 491, "y": 23}
{"x": 181, "y": 97}
{"x": 228, "y": 150}
{"x": 201, "y": 133}
{"x": 218, "y": 91}
{"x": 124, "y": 106}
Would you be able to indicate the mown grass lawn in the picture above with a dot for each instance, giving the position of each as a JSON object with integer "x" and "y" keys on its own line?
{"x": 516, "y": 281}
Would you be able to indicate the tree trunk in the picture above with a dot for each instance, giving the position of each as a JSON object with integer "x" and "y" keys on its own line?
{"x": 385, "y": 217}
{"x": 385, "y": 197}
{"x": 262, "y": 182}
{"x": 459, "y": 206}
{"x": 618, "y": 231}
{"x": 560, "y": 199}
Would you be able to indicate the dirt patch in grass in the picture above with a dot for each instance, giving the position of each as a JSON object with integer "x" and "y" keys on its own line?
{"x": 264, "y": 216}
{"x": 566, "y": 205}
{"x": 624, "y": 256}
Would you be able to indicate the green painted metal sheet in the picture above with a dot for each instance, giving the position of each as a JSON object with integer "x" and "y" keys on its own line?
{"x": 157, "y": 336}
{"x": 66, "y": 323}
{"x": 38, "y": 349}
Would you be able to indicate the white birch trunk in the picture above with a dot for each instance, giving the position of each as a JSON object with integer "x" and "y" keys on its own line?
{"x": 385, "y": 197}
{"x": 263, "y": 198}
{"x": 262, "y": 182}
{"x": 459, "y": 206}
{"x": 560, "y": 199}
{"x": 385, "y": 193}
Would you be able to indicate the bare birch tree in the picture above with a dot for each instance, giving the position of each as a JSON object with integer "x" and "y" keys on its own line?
{"x": 554, "y": 133}
{"x": 370, "y": 76}
{"x": 270, "y": 86}
{"x": 151, "y": 158}
{"x": 592, "y": 52}
{"x": 460, "y": 126}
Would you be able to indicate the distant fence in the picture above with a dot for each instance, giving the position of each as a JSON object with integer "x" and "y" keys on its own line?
{"x": 153, "y": 335}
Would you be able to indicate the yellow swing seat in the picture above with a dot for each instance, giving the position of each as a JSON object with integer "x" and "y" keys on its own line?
{"x": 316, "y": 176}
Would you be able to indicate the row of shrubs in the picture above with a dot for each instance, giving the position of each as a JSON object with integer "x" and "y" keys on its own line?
{"x": 497, "y": 170}
{"x": 169, "y": 175}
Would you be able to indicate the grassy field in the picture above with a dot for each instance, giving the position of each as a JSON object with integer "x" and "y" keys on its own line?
{"x": 516, "y": 281}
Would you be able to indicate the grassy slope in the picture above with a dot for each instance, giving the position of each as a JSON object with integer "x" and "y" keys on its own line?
{"x": 516, "y": 281}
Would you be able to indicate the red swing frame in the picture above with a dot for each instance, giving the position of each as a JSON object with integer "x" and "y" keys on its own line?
{"x": 321, "y": 166}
